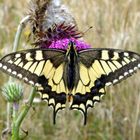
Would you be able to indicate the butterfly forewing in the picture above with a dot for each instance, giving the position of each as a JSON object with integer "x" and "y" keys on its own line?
{"x": 110, "y": 64}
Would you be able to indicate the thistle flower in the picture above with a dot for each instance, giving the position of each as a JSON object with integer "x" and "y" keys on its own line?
{"x": 63, "y": 44}
{"x": 57, "y": 33}
{"x": 12, "y": 92}
{"x": 53, "y": 26}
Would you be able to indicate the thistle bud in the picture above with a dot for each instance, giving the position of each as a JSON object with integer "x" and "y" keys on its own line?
{"x": 12, "y": 92}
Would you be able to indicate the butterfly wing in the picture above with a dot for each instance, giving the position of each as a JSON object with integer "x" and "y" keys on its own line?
{"x": 99, "y": 68}
{"x": 40, "y": 68}
{"x": 96, "y": 68}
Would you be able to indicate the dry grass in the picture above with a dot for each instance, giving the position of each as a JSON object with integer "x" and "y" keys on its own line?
{"x": 116, "y": 24}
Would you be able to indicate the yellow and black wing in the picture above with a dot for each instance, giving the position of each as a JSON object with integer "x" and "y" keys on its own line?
{"x": 42, "y": 68}
{"x": 99, "y": 68}
{"x": 84, "y": 78}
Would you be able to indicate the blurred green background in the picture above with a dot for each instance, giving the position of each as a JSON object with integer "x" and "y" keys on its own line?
{"x": 116, "y": 24}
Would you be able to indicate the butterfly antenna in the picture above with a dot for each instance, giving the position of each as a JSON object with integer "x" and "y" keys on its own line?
{"x": 87, "y": 30}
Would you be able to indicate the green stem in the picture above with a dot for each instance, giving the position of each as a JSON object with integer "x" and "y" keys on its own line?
{"x": 21, "y": 116}
{"x": 15, "y": 47}
{"x": 9, "y": 110}
{"x": 20, "y": 28}
{"x": 14, "y": 128}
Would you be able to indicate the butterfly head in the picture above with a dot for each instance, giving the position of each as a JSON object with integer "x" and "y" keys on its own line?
{"x": 71, "y": 48}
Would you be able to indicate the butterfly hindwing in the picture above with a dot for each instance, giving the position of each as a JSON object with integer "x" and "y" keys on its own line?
{"x": 99, "y": 68}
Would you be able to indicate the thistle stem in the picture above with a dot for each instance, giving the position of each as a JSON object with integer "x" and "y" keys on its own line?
{"x": 20, "y": 28}
{"x": 18, "y": 119}
{"x": 9, "y": 110}
{"x": 26, "y": 108}
{"x": 15, "y": 47}
{"x": 15, "y": 131}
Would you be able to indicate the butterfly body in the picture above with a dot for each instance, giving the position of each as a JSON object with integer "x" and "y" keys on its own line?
{"x": 77, "y": 76}
{"x": 71, "y": 69}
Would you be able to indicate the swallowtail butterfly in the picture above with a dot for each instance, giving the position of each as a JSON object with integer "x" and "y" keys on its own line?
{"x": 77, "y": 76}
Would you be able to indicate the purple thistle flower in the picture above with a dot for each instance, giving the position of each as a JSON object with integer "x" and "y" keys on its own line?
{"x": 63, "y": 44}
{"x": 56, "y": 29}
